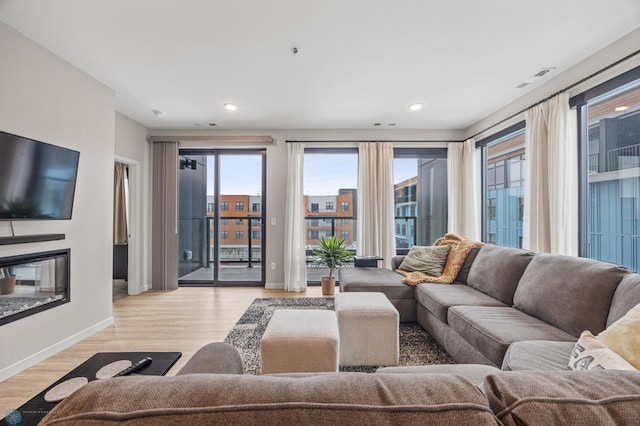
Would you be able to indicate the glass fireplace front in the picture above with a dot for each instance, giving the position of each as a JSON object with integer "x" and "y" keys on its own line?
{"x": 32, "y": 283}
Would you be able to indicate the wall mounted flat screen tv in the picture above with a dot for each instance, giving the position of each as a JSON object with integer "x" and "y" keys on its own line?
{"x": 37, "y": 180}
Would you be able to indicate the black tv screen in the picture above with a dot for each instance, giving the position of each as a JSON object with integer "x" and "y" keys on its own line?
{"x": 37, "y": 180}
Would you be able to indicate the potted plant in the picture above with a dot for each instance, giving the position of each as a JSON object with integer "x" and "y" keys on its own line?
{"x": 331, "y": 254}
{"x": 7, "y": 281}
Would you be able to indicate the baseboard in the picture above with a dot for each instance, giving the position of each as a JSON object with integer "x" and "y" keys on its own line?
{"x": 32, "y": 360}
{"x": 274, "y": 286}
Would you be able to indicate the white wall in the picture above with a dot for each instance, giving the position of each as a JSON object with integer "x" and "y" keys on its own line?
{"x": 45, "y": 98}
{"x": 132, "y": 148}
{"x": 277, "y": 169}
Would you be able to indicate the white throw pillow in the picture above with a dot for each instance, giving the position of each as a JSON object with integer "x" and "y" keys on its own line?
{"x": 589, "y": 353}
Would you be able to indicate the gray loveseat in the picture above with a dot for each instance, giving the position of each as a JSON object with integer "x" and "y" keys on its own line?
{"x": 210, "y": 390}
{"x": 509, "y": 307}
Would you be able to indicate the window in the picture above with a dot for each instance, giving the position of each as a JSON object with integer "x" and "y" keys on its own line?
{"x": 610, "y": 143}
{"x": 314, "y": 222}
{"x": 344, "y": 206}
{"x": 313, "y": 234}
{"x": 209, "y": 207}
{"x": 239, "y": 206}
{"x": 344, "y": 235}
{"x": 314, "y": 208}
{"x": 255, "y": 207}
{"x": 224, "y": 206}
{"x": 239, "y": 235}
{"x": 224, "y": 235}
{"x": 329, "y": 206}
{"x": 224, "y": 222}
{"x": 256, "y": 234}
{"x": 345, "y": 222}
{"x": 504, "y": 163}
{"x": 239, "y": 221}
{"x": 420, "y": 195}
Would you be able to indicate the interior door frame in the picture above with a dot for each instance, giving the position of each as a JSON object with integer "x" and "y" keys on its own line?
{"x": 217, "y": 152}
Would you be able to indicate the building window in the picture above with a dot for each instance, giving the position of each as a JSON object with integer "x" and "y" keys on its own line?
{"x": 255, "y": 207}
{"x": 344, "y": 206}
{"x": 224, "y": 206}
{"x": 209, "y": 207}
{"x": 239, "y": 206}
{"x": 314, "y": 208}
{"x": 256, "y": 234}
{"x": 314, "y": 222}
{"x": 329, "y": 206}
{"x": 239, "y": 235}
{"x": 224, "y": 222}
{"x": 239, "y": 221}
{"x": 503, "y": 192}
{"x": 610, "y": 212}
{"x": 345, "y": 222}
{"x": 313, "y": 234}
{"x": 420, "y": 195}
{"x": 224, "y": 235}
{"x": 344, "y": 235}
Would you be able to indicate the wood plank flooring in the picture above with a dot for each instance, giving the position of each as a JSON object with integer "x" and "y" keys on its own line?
{"x": 182, "y": 320}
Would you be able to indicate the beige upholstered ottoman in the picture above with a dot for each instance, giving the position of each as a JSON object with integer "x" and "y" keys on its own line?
{"x": 298, "y": 340}
{"x": 368, "y": 324}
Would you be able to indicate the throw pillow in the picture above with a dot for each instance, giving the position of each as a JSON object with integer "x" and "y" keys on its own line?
{"x": 589, "y": 353}
{"x": 623, "y": 337}
{"x": 460, "y": 248}
{"x": 427, "y": 259}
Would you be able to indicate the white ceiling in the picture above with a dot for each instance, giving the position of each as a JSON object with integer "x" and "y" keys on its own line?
{"x": 360, "y": 61}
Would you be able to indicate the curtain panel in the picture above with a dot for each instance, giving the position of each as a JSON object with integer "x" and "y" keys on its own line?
{"x": 464, "y": 188}
{"x": 376, "y": 215}
{"x": 164, "y": 263}
{"x": 551, "y": 185}
{"x": 120, "y": 231}
{"x": 295, "y": 267}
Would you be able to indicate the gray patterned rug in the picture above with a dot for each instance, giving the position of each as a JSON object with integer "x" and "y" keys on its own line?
{"x": 416, "y": 346}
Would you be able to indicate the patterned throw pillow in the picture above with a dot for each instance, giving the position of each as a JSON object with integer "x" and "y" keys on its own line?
{"x": 623, "y": 337}
{"x": 591, "y": 354}
{"x": 427, "y": 259}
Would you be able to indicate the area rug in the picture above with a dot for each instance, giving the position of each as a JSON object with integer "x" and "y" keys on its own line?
{"x": 416, "y": 346}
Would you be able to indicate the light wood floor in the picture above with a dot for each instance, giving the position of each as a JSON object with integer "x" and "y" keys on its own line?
{"x": 182, "y": 320}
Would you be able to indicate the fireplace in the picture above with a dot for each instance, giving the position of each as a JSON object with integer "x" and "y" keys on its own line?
{"x": 32, "y": 283}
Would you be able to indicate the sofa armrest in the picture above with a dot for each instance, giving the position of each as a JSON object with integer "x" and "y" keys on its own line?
{"x": 396, "y": 261}
{"x": 214, "y": 358}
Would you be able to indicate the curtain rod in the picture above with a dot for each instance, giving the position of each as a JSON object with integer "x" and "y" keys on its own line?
{"x": 595, "y": 74}
{"x": 385, "y": 140}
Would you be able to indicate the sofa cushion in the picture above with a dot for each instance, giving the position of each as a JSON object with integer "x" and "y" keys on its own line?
{"x": 463, "y": 274}
{"x": 438, "y": 298}
{"x": 606, "y": 397}
{"x": 572, "y": 293}
{"x": 492, "y": 329}
{"x": 341, "y": 398}
{"x": 623, "y": 337}
{"x": 497, "y": 270}
{"x": 375, "y": 279}
{"x": 627, "y": 296}
{"x": 475, "y": 373}
{"x": 537, "y": 355}
{"x": 427, "y": 259}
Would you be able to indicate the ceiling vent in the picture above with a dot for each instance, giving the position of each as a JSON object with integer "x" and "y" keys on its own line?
{"x": 541, "y": 73}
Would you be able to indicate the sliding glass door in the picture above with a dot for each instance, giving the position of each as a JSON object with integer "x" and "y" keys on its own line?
{"x": 221, "y": 198}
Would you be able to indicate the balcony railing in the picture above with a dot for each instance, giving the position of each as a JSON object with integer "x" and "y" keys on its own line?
{"x": 627, "y": 157}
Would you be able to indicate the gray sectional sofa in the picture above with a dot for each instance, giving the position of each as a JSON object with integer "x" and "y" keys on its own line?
{"x": 508, "y": 307}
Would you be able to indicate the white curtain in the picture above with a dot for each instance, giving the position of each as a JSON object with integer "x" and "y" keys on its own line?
{"x": 376, "y": 216}
{"x": 463, "y": 178}
{"x": 551, "y": 185}
{"x": 295, "y": 268}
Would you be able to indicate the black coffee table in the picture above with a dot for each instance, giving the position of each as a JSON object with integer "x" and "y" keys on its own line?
{"x": 36, "y": 408}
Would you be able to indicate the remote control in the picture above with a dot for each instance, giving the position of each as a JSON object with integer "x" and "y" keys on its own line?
{"x": 135, "y": 367}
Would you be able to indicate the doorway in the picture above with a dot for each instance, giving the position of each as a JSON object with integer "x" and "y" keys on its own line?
{"x": 221, "y": 217}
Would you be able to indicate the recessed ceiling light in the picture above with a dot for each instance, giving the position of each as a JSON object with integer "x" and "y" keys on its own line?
{"x": 622, "y": 108}
{"x": 157, "y": 113}
{"x": 415, "y": 107}
{"x": 231, "y": 107}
